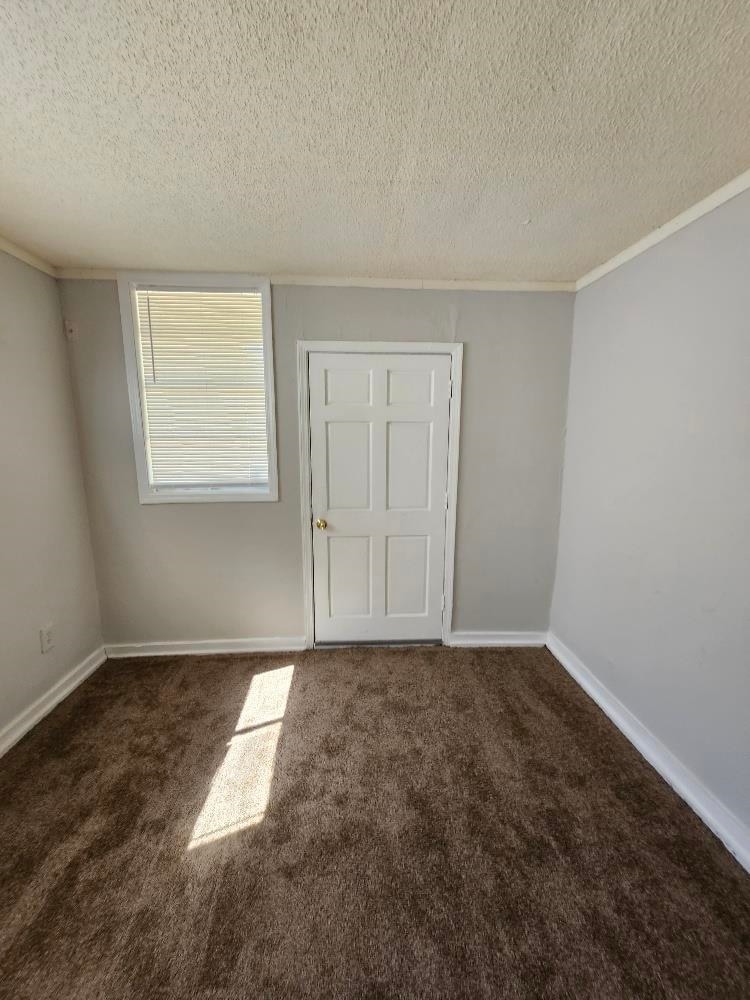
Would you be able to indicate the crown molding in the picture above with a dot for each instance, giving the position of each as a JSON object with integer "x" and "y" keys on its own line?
{"x": 87, "y": 273}
{"x": 708, "y": 204}
{"x": 724, "y": 194}
{"x": 95, "y": 274}
{"x": 27, "y": 257}
{"x": 425, "y": 284}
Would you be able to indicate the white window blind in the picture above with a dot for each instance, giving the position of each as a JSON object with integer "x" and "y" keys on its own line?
{"x": 203, "y": 386}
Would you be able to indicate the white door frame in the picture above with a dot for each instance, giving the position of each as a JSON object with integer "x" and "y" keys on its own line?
{"x": 304, "y": 349}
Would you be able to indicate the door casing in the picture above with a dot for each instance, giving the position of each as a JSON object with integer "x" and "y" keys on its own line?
{"x": 304, "y": 349}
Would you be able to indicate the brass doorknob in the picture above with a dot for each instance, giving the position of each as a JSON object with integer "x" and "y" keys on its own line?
{"x": 321, "y": 523}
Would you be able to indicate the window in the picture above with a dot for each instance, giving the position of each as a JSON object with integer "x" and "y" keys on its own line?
{"x": 200, "y": 377}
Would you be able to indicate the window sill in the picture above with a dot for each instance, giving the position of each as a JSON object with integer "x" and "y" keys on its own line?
{"x": 220, "y": 494}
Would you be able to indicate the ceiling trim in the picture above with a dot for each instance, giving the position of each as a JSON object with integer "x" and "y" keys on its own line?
{"x": 708, "y": 204}
{"x": 89, "y": 273}
{"x": 27, "y": 257}
{"x": 434, "y": 284}
{"x": 724, "y": 194}
{"x": 94, "y": 274}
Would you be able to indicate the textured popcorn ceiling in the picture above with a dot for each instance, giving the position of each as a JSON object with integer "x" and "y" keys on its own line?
{"x": 383, "y": 139}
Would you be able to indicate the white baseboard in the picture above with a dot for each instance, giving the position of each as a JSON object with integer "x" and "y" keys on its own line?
{"x": 728, "y": 828}
{"x": 293, "y": 643}
{"x": 18, "y": 727}
{"x": 497, "y": 639}
{"x": 196, "y": 647}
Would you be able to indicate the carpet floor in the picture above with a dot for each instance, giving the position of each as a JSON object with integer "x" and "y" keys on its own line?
{"x": 401, "y": 823}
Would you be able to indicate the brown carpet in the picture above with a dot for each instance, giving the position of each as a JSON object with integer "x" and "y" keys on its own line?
{"x": 421, "y": 822}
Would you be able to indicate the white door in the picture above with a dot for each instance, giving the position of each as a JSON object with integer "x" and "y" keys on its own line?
{"x": 379, "y": 462}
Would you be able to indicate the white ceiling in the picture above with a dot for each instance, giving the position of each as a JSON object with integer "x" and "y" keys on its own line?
{"x": 390, "y": 138}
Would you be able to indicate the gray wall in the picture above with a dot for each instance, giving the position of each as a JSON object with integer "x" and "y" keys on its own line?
{"x": 196, "y": 571}
{"x": 46, "y": 566}
{"x": 653, "y": 578}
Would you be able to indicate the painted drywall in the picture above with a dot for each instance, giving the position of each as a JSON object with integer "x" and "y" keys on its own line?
{"x": 226, "y": 571}
{"x": 46, "y": 563}
{"x": 653, "y": 580}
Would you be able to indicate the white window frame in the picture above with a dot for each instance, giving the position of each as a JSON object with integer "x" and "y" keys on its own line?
{"x": 127, "y": 284}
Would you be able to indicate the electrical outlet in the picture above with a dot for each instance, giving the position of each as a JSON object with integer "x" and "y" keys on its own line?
{"x": 47, "y": 638}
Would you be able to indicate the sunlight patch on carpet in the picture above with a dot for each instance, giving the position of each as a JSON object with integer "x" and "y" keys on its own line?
{"x": 241, "y": 787}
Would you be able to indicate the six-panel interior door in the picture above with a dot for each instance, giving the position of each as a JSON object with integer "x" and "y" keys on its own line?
{"x": 379, "y": 462}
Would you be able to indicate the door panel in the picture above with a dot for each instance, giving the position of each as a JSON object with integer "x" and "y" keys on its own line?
{"x": 348, "y": 387}
{"x": 348, "y": 465}
{"x": 349, "y": 576}
{"x": 408, "y": 461}
{"x": 409, "y": 387}
{"x": 407, "y": 574}
{"x": 379, "y": 464}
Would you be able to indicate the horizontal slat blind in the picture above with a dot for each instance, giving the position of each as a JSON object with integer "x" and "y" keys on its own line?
{"x": 203, "y": 380}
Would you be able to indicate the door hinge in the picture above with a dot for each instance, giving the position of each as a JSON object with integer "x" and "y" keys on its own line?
{"x": 443, "y": 604}
{"x": 447, "y": 500}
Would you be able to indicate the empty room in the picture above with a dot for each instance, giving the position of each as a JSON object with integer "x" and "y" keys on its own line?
{"x": 375, "y": 504}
